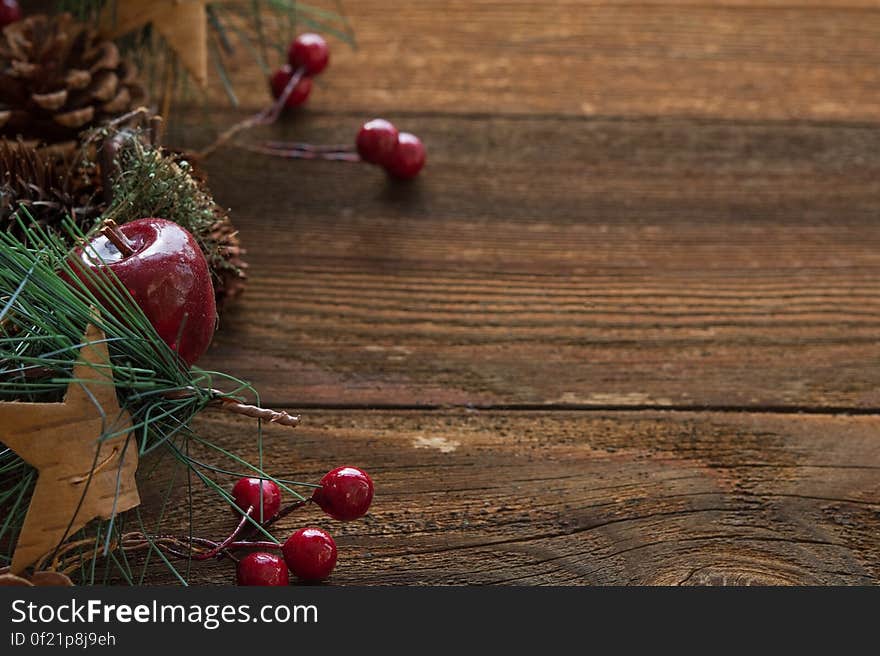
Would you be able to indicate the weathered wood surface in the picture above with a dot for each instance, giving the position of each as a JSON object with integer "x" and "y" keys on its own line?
{"x": 581, "y": 497}
{"x": 629, "y": 208}
{"x": 741, "y": 59}
{"x": 545, "y": 261}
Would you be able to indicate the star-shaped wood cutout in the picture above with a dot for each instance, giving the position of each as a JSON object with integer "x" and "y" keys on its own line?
{"x": 78, "y": 473}
{"x": 182, "y": 23}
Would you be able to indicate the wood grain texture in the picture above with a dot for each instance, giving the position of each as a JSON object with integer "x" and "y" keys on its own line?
{"x": 739, "y": 59}
{"x": 568, "y": 262}
{"x": 628, "y": 206}
{"x": 579, "y": 498}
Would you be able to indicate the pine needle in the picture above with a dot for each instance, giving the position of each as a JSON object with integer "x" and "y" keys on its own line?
{"x": 47, "y": 302}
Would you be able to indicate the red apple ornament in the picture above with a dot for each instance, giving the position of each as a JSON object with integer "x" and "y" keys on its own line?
{"x": 164, "y": 270}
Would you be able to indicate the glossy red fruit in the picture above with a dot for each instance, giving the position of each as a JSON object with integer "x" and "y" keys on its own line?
{"x": 249, "y": 492}
{"x": 310, "y": 553}
{"x": 345, "y": 493}
{"x": 168, "y": 277}
{"x": 300, "y": 92}
{"x": 376, "y": 141}
{"x": 10, "y": 12}
{"x": 408, "y": 157}
{"x": 262, "y": 568}
{"x": 309, "y": 51}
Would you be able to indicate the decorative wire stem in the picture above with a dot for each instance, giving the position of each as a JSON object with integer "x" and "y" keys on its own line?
{"x": 222, "y": 400}
{"x": 315, "y": 148}
{"x": 257, "y": 544}
{"x": 284, "y": 512}
{"x": 189, "y": 549}
{"x": 228, "y": 541}
{"x": 195, "y": 548}
{"x": 264, "y": 117}
{"x": 297, "y": 153}
{"x": 279, "y": 417}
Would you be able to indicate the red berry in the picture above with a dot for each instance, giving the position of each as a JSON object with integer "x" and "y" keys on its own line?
{"x": 309, "y": 51}
{"x": 376, "y": 141}
{"x": 248, "y": 492}
{"x": 300, "y": 92}
{"x": 10, "y": 12}
{"x": 310, "y": 553}
{"x": 345, "y": 493}
{"x": 408, "y": 157}
{"x": 262, "y": 569}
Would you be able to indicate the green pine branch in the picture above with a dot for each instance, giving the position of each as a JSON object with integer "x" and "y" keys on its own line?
{"x": 45, "y": 306}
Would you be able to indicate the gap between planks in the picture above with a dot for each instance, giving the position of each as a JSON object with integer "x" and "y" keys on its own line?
{"x": 583, "y": 407}
{"x": 184, "y": 131}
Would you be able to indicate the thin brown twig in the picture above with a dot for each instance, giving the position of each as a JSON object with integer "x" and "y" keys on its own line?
{"x": 264, "y": 117}
{"x": 298, "y": 153}
{"x": 224, "y": 401}
{"x": 279, "y": 417}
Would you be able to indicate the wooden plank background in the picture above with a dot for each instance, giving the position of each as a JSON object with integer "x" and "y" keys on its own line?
{"x": 624, "y": 329}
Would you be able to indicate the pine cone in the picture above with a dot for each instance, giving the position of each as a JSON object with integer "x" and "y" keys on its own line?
{"x": 59, "y": 77}
{"x": 84, "y": 181}
{"x": 220, "y": 241}
{"x": 51, "y": 183}
{"x": 229, "y": 273}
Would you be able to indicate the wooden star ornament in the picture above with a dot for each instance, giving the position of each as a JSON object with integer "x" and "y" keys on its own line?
{"x": 80, "y": 477}
{"x": 182, "y": 23}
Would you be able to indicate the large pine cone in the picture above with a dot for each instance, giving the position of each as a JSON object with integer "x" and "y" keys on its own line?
{"x": 229, "y": 270}
{"x": 59, "y": 77}
{"x": 51, "y": 183}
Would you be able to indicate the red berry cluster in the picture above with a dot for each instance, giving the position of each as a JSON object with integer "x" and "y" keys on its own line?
{"x": 378, "y": 142}
{"x": 310, "y": 553}
{"x": 400, "y": 153}
{"x": 307, "y": 56}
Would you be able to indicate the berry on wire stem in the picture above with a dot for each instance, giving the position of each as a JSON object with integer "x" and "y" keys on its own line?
{"x": 310, "y": 553}
{"x": 401, "y": 154}
{"x": 261, "y": 495}
{"x": 301, "y": 90}
{"x": 345, "y": 493}
{"x": 260, "y": 568}
{"x": 376, "y": 141}
{"x": 408, "y": 157}
{"x": 309, "y": 51}
{"x": 266, "y": 116}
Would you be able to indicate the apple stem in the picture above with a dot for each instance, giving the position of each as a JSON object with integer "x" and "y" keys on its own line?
{"x": 112, "y": 232}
